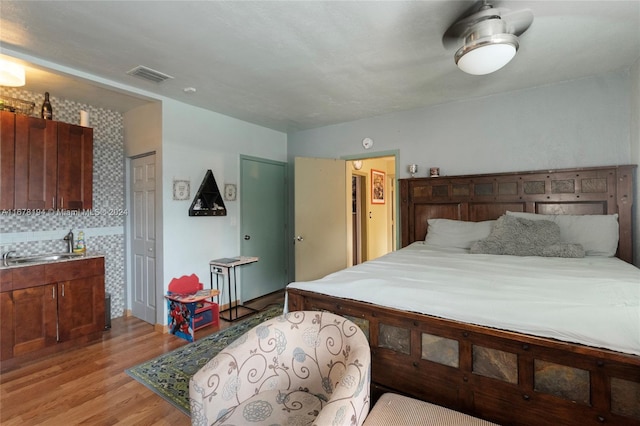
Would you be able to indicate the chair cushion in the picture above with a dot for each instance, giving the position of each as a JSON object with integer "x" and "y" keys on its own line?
{"x": 274, "y": 407}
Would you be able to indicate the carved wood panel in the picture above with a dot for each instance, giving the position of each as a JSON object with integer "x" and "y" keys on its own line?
{"x": 595, "y": 190}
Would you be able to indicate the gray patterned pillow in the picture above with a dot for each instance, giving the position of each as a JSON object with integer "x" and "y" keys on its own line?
{"x": 522, "y": 237}
{"x": 563, "y": 250}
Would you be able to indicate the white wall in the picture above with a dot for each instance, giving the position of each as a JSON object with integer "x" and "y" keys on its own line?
{"x": 143, "y": 130}
{"x": 195, "y": 140}
{"x": 574, "y": 124}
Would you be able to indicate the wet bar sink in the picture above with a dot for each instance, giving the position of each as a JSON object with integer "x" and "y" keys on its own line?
{"x": 40, "y": 258}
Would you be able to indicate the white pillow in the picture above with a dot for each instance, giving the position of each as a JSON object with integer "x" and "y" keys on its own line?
{"x": 597, "y": 234}
{"x": 456, "y": 233}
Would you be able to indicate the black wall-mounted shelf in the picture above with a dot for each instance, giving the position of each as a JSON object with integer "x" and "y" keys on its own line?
{"x": 208, "y": 200}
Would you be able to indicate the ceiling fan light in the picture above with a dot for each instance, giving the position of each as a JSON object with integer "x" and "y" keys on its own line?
{"x": 11, "y": 74}
{"x": 488, "y": 54}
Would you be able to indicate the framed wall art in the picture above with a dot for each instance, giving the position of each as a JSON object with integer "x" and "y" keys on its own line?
{"x": 181, "y": 189}
{"x": 377, "y": 187}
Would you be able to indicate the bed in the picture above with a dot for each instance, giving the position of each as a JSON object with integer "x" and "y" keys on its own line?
{"x": 507, "y": 363}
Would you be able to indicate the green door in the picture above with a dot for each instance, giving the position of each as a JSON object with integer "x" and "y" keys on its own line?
{"x": 263, "y": 204}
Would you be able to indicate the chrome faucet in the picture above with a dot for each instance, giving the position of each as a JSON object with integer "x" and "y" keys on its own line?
{"x": 69, "y": 239}
{"x": 5, "y": 256}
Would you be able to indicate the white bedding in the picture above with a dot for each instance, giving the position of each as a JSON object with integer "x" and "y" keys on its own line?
{"x": 593, "y": 300}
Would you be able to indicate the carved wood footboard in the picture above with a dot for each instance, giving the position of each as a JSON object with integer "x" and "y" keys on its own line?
{"x": 504, "y": 377}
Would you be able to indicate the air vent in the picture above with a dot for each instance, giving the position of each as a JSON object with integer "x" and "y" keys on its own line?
{"x": 149, "y": 74}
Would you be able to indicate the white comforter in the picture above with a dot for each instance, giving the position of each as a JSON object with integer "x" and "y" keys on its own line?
{"x": 593, "y": 300}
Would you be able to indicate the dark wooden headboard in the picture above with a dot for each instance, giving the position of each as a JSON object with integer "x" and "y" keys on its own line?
{"x": 594, "y": 190}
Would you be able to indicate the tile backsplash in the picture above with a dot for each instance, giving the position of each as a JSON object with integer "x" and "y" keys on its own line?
{"x": 104, "y": 224}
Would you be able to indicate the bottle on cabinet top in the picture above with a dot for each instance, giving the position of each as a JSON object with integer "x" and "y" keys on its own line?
{"x": 80, "y": 244}
{"x": 47, "y": 111}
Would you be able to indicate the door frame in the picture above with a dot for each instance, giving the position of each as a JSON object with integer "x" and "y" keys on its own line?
{"x": 128, "y": 288}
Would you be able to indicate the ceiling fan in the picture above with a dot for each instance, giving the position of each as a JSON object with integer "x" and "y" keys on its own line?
{"x": 490, "y": 37}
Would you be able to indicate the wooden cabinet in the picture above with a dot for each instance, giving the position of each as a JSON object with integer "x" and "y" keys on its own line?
{"x": 6, "y": 315}
{"x": 48, "y": 307}
{"x": 7, "y": 160}
{"x": 80, "y": 300}
{"x": 78, "y": 307}
{"x": 34, "y": 319}
{"x": 36, "y": 163}
{"x": 75, "y": 167}
{"x": 52, "y": 167}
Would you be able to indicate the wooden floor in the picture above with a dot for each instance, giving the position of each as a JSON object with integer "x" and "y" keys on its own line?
{"x": 89, "y": 385}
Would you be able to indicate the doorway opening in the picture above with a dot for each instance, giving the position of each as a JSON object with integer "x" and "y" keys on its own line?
{"x": 358, "y": 222}
{"x": 142, "y": 238}
{"x": 372, "y": 222}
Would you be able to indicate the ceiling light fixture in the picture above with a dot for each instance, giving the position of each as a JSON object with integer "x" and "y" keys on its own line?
{"x": 487, "y": 48}
{"x": 489, "y": 37}
{"x": 11, "y": 74}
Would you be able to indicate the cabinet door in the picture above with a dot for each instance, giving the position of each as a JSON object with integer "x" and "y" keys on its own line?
{"x": 6, "y": 325}
{"x": 80, "y": 307}
{"x": 36, "y": 163}
{"x": 7, "y": 160}
{"x": 34, "y": 319}
{"x": 75, "y": 167}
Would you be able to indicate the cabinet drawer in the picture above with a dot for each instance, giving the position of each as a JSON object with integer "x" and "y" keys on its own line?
{"x": 74, "y": 269}
{"x": 27, "y": 276}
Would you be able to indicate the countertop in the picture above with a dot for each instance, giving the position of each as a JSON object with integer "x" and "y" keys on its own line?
{"x": 87, "y": 255}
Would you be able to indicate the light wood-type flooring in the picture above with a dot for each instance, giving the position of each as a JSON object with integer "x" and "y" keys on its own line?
{"x": 88, "y": 385}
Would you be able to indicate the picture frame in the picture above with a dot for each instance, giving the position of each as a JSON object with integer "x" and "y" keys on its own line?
{"x": 230, "y": 191}
{"x": 377, "y": 186}
{"x": 181, "y": 189}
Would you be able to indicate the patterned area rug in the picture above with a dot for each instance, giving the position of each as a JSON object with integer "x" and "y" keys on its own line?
{"x": 168, "y": 375}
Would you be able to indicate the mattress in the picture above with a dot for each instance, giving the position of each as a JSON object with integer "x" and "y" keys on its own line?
{"x": 593, "y": 301}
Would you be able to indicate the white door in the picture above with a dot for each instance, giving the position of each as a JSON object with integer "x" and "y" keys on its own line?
{"x": 143, "y": 237}
{"x": 322, "y": 225}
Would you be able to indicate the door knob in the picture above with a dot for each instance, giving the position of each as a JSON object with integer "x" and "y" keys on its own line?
{"x": 247, "y": 237}
{"x": 298, "y": 238}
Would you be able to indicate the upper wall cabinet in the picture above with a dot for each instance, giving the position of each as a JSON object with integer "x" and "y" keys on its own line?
{"x": 7, "y": 160}
{"x": 75, "y": 167}
{"x": 53, "y": 165}
{"x": 36, "y": 163}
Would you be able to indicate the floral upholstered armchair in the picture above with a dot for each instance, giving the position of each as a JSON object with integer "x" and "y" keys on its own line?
{"x": 302, "y": 368}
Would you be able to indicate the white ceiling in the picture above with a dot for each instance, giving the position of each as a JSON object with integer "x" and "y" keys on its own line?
{"x": 291, "y": 65}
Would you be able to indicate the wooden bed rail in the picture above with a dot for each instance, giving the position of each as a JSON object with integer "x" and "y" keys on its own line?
{"x": 508, "y": 378}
